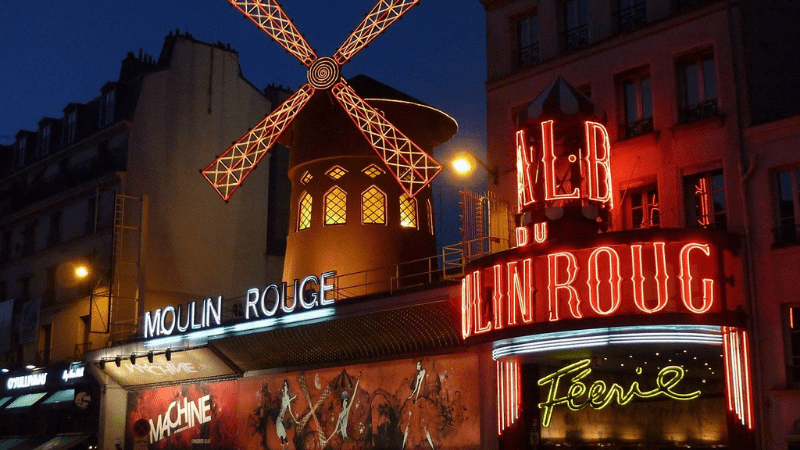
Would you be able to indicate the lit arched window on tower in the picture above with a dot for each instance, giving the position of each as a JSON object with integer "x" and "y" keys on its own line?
{"x": 335, "y": 206}
{"x": 373, "y": 206}
{"x": 408, "y": 211}
{"x": 304, "y": 212}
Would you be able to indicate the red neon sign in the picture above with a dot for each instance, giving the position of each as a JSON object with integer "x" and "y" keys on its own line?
{"x": 549, "y": 174}
{"x": 600, "y": 281}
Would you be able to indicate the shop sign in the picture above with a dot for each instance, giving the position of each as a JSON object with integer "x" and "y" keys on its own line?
{"x": 578, "y": 395}
{"x": 72, "y": 373}
{"x": 258, "y": 304}
{"x": 26, "y": 381}
{"x": 602, "y": 281}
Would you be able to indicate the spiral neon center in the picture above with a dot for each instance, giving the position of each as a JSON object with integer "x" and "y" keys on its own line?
{"x": 323, "y": 73}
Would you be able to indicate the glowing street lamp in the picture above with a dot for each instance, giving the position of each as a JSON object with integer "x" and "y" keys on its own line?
{"x": 464, "y": 162}
{"x": 81, "y": 272}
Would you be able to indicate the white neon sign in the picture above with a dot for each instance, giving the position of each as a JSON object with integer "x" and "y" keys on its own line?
{"x": 258, "y": 304}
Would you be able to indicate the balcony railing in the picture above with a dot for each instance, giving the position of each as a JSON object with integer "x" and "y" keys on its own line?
{"x": 577, "y": 37}
{"x": 528, "y": 55}
{"x": 786, "y": 234}
{"x": 638, "y": 128}
{"x": 633, "y": 16}
{"x": 679, "y": 5}
{"x": 698, "y": 111}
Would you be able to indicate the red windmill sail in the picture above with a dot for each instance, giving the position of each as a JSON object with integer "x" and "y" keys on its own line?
{"x": 412, "y": 167}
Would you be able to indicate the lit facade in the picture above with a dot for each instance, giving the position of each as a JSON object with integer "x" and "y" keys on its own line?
{"x": 113, "y": 187}
{"x": 700, "y": 139}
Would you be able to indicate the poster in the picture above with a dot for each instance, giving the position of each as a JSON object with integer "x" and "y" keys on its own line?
{"x": 201, "y": 415}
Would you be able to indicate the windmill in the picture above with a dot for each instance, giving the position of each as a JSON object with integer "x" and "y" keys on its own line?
{"x": 412, "y": 167}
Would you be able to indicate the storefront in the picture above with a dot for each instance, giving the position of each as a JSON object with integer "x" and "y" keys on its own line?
{"x": 53, "y": 408}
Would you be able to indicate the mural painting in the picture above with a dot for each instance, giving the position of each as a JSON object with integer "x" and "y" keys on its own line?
{"x": 428, "y": 403}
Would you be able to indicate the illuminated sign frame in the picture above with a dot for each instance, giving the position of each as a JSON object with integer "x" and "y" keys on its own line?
{"x": 609, "y": 275}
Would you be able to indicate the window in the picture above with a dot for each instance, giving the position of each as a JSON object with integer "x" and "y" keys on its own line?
{"x": 107, "y": 111}
{"x": 705, "y": 200}
{"x": 678, "y": 5}
{"x": 373, "y": 206}
{"x": 641, "y": 208}
{"x": 336, "y": 172}
{"x": 335, "y": 206}
{"x": 306, "y": 178}
{"x": 70, "y": 126}
{"x": 45, "y": 343}
{"x": 28, "y": 239}
{"x": 787, "y": 207}
{"x": 408, "y": 211}
{"x": 793, "y": 345}
{"x": 632, "y": 13}
{"x": 528, "y": 40}
{"x": 54, "y": 238}
{"x": 304, "y": 212}
{"x": 372, "y": 171}
{"x": 5, "y": 246}
{"x": 637, "y": 103}
{"x": 50, "y": 285}
{"x": 697, "y": 87}
{"x": 44, "y": 140}
{"x": 20, "y": 151}
{"x": 576, "y": 23}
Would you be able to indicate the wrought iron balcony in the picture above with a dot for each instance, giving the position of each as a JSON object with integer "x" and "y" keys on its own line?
{"x": 577, "y": 37}
{"x": 679, "y": 5}
{"x": 528, "y": 55}
{"x": 638, "y": 128}
{"x": 633, "y": 16}
{"x": 697, "y": 111}
{"x": 786, "y": 234}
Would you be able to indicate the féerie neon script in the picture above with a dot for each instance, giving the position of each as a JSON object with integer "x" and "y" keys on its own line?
{"x": 598, "y": 396}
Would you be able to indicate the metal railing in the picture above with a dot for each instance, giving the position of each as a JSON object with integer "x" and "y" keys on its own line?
{"x": 633, "y": 16}
{"x": 638, "y": 128}
{"x": 697, "y": 111}
{"x": 577, "y": 37}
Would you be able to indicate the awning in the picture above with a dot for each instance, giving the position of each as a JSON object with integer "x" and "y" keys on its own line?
{"x": 8, "y": 443}
{"x": 64, "y": 395}
{"x": 24, "y": 401}
{"x": 64, "y": 442}
{"x": 416, "y": 322}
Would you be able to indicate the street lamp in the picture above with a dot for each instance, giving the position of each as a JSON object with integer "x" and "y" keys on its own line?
{"x": 81, "y": 271}
{"x": 464, "y": 162}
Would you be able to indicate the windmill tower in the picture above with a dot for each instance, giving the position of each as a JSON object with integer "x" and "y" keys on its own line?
{"x": 360, "y": 185}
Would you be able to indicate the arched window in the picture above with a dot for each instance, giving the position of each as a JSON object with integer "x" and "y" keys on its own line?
{"x": 408, "y": 211}
{"x": 373, "y": 206}
{"x": 304, "y": 212}
{"x": 335, "y": 206}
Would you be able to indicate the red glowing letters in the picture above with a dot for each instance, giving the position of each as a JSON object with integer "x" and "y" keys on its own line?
{"x": 591, "y": 282}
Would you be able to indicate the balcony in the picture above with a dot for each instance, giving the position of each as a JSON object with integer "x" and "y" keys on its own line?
{"x": 633, "y": 16}
{"x": 577, "y": 37}
{"x": 638, "y": 128}
{"x": 21, "y": 195}
{"x": 698, "y": 111}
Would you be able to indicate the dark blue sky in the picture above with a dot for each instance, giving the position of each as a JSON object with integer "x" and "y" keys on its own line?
{"x": 53, "y": 53}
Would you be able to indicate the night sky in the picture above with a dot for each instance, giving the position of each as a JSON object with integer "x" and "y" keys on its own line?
{"x": 53, "y": 53}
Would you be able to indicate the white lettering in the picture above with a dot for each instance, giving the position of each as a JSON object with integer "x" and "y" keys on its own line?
{"x": 188, "y": 414}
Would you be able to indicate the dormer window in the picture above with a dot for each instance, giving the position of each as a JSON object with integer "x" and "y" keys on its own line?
{"x": 107, "y": 106}
{"x": 19, "y": 151}
{"x": 70, "y": 126}
{"x": 45, "y": 136}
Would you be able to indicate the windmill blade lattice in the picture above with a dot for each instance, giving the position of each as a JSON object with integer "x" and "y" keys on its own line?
{"x": 412, "y": 166}
{"x": 228, "y": 171}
